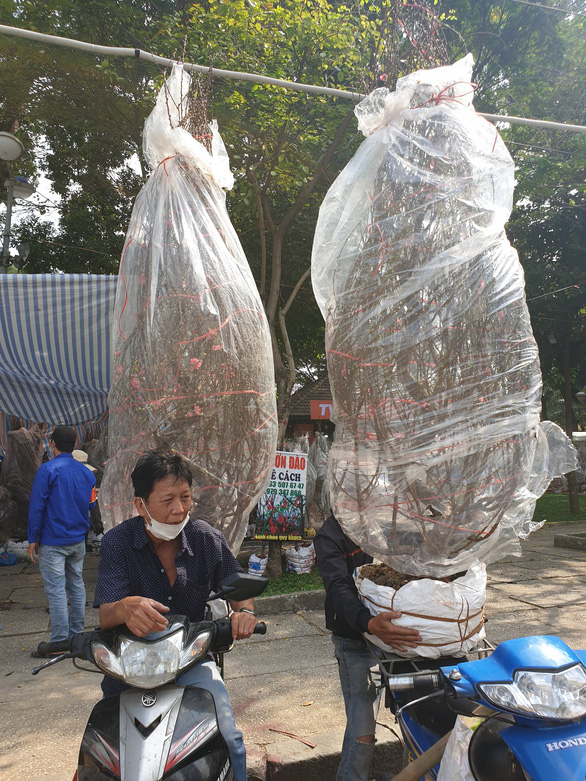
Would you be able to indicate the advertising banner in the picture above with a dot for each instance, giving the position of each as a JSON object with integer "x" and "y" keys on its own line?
{"x": 281, "y": 509}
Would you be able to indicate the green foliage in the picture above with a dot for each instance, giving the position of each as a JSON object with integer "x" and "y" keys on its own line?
{"x": 291, "y": 582}
{"x": 555, "y": 508}
{"x": 530, "y": 62}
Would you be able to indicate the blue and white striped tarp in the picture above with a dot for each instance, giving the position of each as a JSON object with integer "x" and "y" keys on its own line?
{"x": 55, "y": 346}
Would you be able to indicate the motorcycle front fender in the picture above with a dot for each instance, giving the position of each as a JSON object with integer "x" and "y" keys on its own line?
{"x": 550, "y": 752}
{"x": 170, "y": 732}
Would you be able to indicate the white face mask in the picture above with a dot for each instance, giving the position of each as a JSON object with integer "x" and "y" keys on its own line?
{"x": 164, "y": 531}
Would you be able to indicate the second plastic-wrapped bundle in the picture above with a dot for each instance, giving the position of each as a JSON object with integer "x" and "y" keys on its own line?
{"x": 438, "y": 454}
{"x": 192, "y": 367}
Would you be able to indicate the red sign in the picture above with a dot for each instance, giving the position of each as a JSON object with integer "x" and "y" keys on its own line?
{"x": 321, "y": 410}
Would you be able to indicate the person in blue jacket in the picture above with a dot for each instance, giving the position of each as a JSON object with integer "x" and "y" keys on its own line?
{"x": 58, "y": 521}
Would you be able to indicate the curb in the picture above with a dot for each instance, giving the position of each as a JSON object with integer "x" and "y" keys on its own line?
{"x": 290, "y": 603}
{"x": 576, "y": 541}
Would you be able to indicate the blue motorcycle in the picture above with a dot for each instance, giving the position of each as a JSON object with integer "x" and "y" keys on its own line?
{"x": 530, "y": 699}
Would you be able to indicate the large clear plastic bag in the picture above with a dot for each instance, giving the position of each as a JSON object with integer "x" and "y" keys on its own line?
{"x": 192, "y": 359}
{"x": 24, "y": 455}
{"x": 433, "y": 366}
{"x": 318, "y": 501}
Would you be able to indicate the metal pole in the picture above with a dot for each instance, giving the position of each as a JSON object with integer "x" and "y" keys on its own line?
{"x": 6, "y": 240}
{"x": 113, "y": 51}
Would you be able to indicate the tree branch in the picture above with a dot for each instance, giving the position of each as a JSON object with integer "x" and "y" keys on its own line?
{"x": 296, "y": 290}
{"x": 304, "y": 194}
{"x": 261, "y": 230}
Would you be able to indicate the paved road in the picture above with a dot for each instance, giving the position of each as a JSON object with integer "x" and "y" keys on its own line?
{"x": 285, "y": 680}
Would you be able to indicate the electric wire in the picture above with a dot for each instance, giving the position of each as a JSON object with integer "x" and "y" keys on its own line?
{"x": 566, "y": 11}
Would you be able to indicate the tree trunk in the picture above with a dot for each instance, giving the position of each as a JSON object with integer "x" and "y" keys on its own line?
{"x": 283, "y": 357}
{"x": 570, "y": 420}
{"x": 274, "y": 566}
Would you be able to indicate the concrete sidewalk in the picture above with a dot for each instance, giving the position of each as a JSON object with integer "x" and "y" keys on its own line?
{"x": 285, "y": 681}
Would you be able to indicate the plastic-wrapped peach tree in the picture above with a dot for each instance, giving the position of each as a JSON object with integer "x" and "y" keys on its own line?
{"x": 192, "y": 365}
{"x": 438, "y": 455}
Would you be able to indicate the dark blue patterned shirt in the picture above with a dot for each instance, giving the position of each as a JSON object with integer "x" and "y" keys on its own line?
{"x": 129, "y": 566}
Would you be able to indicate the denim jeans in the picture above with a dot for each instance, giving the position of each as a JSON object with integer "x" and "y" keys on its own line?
{"x": 207, "y": 676}
{"x": 360, "y": 680}
{"x": 62, "y": 567}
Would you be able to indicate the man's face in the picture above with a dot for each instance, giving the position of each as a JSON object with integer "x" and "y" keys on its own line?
{"x": 168, "y": 502}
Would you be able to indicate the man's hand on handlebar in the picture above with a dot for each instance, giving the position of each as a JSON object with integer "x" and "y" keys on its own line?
{"x": 398, "y": 637}
{"x": 242, "y": 625}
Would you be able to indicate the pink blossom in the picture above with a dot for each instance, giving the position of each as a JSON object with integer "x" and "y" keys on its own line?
{"x": 196, "y": 363}
{"x": 190, "y": 414}
{"x": 197, "y": 409}
{"x": 135, "y": 383}
{"x": 217, "y": 347}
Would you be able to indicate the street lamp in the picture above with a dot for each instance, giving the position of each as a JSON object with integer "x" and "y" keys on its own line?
{"x": 18, "y": 187}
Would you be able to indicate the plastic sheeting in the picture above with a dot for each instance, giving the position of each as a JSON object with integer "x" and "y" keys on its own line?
{"x": 318, "y": 500}
{"x": 192, "y": 361}
{"x": 433, "y": 366}
{"x": 24, "y": 455}
{"x": 455, "y": 765}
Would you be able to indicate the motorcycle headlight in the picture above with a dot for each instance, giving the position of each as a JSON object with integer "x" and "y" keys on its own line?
{"x": 560, "y": 695}
{"x": 148, "y": 665}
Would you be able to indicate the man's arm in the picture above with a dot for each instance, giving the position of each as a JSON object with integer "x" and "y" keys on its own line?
{"x": 340, "y": 587}
{"x": 38, "y": 503}
{"x": 140, "y": 614}
{"x": 398, "y": 637}
{"x": 113, "y": 598}
{"x": 222, "y": 564}
{"x": 339, "y": 583}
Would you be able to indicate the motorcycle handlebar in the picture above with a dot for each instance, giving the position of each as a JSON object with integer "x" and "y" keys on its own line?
{"x": 428, "y": 681}
{"x": 260, "y": 628}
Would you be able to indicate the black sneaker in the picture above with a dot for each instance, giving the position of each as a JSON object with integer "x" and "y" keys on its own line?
{"x": 51, "y": 649}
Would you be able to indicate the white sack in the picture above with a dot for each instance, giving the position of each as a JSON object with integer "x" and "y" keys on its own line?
{"x": 426, "y": 604}
{"x": 257, "y": 564}
{"x": 300, "y": 561}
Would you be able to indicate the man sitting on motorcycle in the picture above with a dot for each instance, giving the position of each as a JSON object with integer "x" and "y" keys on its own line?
{"x": 162, "y": 561}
